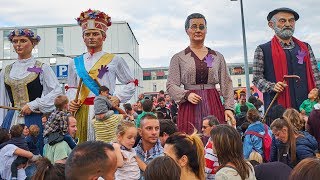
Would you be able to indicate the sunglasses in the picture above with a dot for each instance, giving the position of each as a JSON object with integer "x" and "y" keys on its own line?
{"x": 194, "y": 27}
{"x": 205, "y": 127}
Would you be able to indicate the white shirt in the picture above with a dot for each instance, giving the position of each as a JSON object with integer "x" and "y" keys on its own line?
{"x": 130, "y": 169}
{"x": 227, "y": 173}
{"x": 7, "y": 156}
{"x": 117, "y": 70}
{"x": 49, "y": 81}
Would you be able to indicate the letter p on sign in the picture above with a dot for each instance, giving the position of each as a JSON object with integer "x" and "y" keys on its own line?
{"x": 62, "y": 71}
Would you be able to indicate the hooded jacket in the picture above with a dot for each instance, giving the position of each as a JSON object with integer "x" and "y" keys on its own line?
{"x": 306, "y": 145}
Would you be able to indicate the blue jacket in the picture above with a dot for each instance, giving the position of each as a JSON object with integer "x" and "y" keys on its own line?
{"x": 306, "y": 146}
{"x": 252, "y": 142}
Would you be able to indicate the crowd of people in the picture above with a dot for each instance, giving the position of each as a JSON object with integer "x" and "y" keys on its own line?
{"x": 194, "y": 132}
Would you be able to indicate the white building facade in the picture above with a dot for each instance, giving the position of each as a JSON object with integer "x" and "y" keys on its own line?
{"x": 155, "y": 79}
{"x": 60, "y": 42}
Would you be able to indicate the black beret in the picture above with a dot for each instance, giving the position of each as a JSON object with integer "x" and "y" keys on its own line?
{"x": 272, "y": 13}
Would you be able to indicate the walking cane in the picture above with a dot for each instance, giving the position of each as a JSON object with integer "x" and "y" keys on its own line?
{"x": 77, "y": 94}
{"x": 276, "y": 96}
{"x": 16, "y": 109}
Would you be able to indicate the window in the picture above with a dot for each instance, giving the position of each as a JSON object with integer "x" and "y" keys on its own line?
{"x": 6, "y": 45}
{"x": 230, "y": 70}
{"x": 146, "y": 77}
{"x": 154, "y": 89}
{"x": 238, "y": 70}
{"x": 53, "y": 61}
{"x": 6, "y": 54}
{"x": 239, "y": 82}
{"x": 35, "y": 51}
{"x": 250, "y": 70}
{"x": 60, "y": 48}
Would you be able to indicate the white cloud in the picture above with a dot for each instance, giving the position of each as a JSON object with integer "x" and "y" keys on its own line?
{"x": 159, "y": 25}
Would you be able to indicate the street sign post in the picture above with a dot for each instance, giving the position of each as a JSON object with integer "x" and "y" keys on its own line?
{"x": 62, "y": 71}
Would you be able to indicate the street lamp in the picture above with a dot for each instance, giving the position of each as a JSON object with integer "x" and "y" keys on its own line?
{"x": 246, "y": 67}
{"x": 63, "y": 55}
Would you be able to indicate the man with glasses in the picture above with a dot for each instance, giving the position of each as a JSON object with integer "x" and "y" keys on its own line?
{"x": 208, "y": 124}
{"x": 199, "y": 69}
{"x": 285, "y": 55}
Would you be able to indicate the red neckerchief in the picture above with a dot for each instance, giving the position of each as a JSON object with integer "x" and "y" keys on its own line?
{"x": 91, "y": 51}
{"x": 280, "y": 67}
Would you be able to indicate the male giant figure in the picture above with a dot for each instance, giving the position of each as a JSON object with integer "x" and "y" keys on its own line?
{"x": 96, "y": 68}
{"x": 284, "y": 55}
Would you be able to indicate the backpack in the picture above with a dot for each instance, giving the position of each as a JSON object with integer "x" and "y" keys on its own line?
{"x": 266, "y": 142}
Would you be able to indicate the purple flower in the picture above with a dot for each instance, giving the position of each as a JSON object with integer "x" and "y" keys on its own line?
{"x": 209, "y": 60}
{"x": 35, "y": 69}
{"x": 23, "y": 32}
{"x": 92, "y": 15}
{"x": 301, "y": 55}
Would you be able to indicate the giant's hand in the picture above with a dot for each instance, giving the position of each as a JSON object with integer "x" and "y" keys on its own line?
{"x": 229, "y": 116}
{"x": 25, "y": 110}
{"x": 74, "y": 105}
{"x": 194, "y": 98}
{"x": 279, "y": 86}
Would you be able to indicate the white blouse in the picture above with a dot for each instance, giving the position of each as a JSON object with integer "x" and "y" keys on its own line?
{"x": 49, "y": 81}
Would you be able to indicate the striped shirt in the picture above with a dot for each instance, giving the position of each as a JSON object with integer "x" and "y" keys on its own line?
{"x": 106, "y": 130}
{"x": 211, "y": 161}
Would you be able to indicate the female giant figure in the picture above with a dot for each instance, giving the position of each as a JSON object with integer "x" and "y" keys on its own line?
{"x": 27, "y": 84}
{"x": 199, "y": 69}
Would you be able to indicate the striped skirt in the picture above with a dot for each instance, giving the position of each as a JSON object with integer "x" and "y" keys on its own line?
{"x": 190, "y": 115}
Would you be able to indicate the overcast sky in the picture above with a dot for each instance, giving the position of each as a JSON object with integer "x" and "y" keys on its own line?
{"x": 159, "y": 24}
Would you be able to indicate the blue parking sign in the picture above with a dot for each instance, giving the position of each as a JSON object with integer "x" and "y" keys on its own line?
{"x": 62, "y": 71}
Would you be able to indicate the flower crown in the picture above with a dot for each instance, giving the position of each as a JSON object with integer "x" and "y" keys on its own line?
{"x": 24, "y": 32}
{"x": 99, "y": 20}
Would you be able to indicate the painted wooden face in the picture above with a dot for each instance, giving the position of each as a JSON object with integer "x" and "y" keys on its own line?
{"x": 197, "y": 29}
{"x": 23, "y": 46}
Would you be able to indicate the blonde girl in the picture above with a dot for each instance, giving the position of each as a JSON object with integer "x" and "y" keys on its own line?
{"x": 128, "y": 163}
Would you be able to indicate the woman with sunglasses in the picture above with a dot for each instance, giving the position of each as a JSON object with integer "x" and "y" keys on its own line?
{"x": 199, "y": 69}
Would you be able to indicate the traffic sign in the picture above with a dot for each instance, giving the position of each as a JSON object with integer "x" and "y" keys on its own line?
{"x": 62, "y": 71}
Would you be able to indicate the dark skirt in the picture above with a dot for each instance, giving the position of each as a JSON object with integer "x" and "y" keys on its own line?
{"x": 33, "y": 118}
{"x": 190, "y": 115}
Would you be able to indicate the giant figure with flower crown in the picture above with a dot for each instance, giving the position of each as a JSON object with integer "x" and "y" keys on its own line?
{"x": 93, "y": 69}
{"x": 27, "y": 84}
